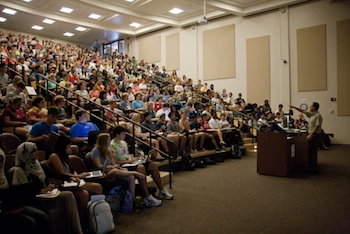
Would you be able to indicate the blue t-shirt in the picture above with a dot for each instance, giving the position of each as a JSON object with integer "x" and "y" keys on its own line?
{"x": 137, "y": 104}
{"x": 82, "y": 129}
{"x": 41, "y": 128}
{"x": 195, "y": 125}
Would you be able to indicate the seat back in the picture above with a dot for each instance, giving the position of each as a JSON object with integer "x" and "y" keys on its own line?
{"x": 88, "y": 162}
{"x": 10, "y": 162}
{"x": 77, "y": 164}
{"x": 9, "y": 142}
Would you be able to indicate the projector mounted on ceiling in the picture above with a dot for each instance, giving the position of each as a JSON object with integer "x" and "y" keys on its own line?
{"x": 203, "y": 20}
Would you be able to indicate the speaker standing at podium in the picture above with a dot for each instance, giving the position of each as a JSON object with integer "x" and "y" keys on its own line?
{"x": 314, "y": 136}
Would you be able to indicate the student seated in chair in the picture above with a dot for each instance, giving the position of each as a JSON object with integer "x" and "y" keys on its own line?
{"x": 102, "y": 158}
{"x": 79, "y": 132}
{"x": 119, "y": 150}
{"x": 41, "y": 131}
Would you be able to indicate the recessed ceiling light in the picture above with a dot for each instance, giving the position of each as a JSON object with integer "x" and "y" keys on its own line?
{"x": 27, "y": 0}
{"x": 68, "y": 34}
{"x": 176, "y": 11}
{"x": 129, "y": 0}
{"x": 81, "y": 29}
{"x": 66, "y": 10}
{"x": 36, "y": 27}
{"x": 9, "y": 11}
{"x": 2, "y": 19}
{"x": 94, "y": 16}
{"x": 135, "y": 24}
{"x": 48, "y": 21}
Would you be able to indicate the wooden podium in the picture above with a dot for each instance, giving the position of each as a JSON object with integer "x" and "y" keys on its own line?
{"x": 281, "y": 153}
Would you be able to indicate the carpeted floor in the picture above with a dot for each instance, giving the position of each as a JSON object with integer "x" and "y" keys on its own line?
{"x": 232, "y": 198}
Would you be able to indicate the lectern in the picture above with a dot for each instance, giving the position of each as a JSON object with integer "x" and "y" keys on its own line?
{"x": 280, "y": 153}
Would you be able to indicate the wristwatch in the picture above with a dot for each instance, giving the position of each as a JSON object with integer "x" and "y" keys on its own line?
{"x": 303, "y": 106}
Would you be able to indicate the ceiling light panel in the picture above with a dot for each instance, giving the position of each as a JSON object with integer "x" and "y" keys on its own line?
{"x": 68, "y": 34}
{"x": 27, "y": 0}
{"x": 135, "y": 25}
{"x": 175, "y": 11}
{"x": 9, "y": 11}
{"x": 66, "y": 10}
{"x": 36, "y": 27}
{"x": 129, "y": 0}
{"x": 81, "y": 29}
{"x": 2, "y": 19}
{"x": 48, "y": 21}
{"x": 94, "y": 16}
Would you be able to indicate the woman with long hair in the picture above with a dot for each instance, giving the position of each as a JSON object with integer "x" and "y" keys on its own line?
{"x": 102, "y": 158}
{"x": 59, "y": 162}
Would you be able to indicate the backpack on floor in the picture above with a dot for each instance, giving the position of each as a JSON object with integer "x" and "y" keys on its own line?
{"x": 100, "y": 217}
{"x": 128, "y": 203}
{"x": 236, "y": 153}
{"x": 188, "y": 163}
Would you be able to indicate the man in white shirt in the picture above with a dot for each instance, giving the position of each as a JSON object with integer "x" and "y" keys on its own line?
{"x": 279, "y": 110}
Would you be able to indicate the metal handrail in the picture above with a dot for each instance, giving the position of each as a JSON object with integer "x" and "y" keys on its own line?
{"x": 10, "y": 68}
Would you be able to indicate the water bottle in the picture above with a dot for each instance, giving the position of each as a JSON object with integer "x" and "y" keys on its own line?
{"x": 138, "y": 203}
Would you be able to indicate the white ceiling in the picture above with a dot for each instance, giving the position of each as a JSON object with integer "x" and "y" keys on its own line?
{"x": 118, "y": 14}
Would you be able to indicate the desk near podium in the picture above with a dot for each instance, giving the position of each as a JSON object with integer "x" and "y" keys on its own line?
{"x": 280, "y": 153}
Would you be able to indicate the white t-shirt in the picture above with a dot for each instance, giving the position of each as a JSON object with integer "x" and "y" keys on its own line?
{"x": 178, "y": 88}
{"x": 214, "y": 123}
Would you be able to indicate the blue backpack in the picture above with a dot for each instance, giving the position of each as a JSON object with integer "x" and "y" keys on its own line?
{"x": 128, "y": 203}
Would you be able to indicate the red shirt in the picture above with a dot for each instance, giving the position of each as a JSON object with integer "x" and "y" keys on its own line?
{"x": 18, "y": 116}
{"x": 73, "y": 79}
{"x": 158, "y": 106}
{"x": 205, "y": 124}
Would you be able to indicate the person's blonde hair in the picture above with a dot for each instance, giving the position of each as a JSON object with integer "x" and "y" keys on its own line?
{"x": 102, "y": 144}
{"x": 16, "y": 79}
{"x": 135, "y": 116}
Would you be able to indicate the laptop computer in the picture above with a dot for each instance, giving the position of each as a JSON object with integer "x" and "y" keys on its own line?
{"x": 19, "y": 196}
{"x": 140, "y": 161}
{"x": 94, "y": 174}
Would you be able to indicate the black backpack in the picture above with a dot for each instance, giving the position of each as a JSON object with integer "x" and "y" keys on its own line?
{"x": 236, "y": 153}
{"x": 188, "y": 164}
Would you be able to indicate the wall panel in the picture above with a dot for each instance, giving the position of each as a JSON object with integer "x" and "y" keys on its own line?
{"x": 343, "y": 67}
{"x": 258, "y": 69}
{"x": 312, "y": 58}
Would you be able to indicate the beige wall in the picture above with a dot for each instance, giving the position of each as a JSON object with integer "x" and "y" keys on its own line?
{"x": 281, "y": 28}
